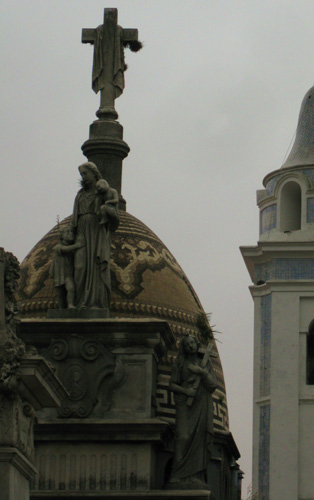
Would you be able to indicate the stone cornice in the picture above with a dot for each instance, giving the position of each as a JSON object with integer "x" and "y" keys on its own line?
{"x": 141, "y": 429}
{"x": 115, "y": 332}
{"x": 266, "y": 251}
{"x": 304, "y": 286}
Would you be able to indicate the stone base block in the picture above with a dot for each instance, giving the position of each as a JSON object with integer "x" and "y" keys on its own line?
{"x": 94, "y": 468}
{"x": 98, "y": 457}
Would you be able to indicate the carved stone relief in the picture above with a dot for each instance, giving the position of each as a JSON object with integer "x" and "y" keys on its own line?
{"x": 89, "y": 372}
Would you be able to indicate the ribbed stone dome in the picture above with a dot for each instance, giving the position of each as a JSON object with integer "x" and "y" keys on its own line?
{"x": 147, "y": 281}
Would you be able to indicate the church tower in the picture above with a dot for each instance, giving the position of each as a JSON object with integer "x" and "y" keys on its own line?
{"x": 281, "y": 267}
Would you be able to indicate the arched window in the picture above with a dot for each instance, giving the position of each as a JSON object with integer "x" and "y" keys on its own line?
{"x": 290, "y": 207}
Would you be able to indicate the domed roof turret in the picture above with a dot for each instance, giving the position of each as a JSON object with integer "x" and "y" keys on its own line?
{"x": 302, "y": 152}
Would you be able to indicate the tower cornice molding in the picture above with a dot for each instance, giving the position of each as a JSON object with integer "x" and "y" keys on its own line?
{"x": 265, "y": 252}
{"x": 286, "y": 170}
{"x": 266, "y": 201}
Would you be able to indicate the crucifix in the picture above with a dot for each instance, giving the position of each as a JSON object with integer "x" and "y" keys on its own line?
{"x": 109, "y": 41}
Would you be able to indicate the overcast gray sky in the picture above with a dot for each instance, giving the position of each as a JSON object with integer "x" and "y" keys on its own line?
{"x": 210, "y": 107}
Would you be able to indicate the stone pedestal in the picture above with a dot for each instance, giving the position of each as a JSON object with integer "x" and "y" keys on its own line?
{"x": 98, "y": 455}
{"x": 105, "y": 437}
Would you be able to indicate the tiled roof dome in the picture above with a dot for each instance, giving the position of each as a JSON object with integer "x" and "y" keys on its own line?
{"x": 147, "y": 281}
{"x": 302, "y": 151}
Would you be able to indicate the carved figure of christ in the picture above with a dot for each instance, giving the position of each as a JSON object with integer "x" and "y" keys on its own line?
{"x": 109, "y": 40}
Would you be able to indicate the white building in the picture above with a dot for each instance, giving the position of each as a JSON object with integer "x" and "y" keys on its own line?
{"x": 281, "y": 267}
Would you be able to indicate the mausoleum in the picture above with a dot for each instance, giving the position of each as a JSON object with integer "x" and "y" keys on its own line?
{"x": 114, "y": 431}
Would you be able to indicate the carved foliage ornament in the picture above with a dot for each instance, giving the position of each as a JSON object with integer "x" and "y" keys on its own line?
{"x": 12, "y": 348}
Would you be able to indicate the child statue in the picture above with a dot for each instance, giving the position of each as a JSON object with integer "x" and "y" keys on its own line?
{"x": 107, "y": 201}
{"x": 62, "y": 269}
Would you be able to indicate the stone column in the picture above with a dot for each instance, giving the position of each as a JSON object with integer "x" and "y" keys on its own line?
{"x": 107, "y": 149}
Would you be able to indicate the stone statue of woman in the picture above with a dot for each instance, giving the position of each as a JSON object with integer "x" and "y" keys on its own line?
{"x": 192, "y": 384}
{"x": 93, "y": 230}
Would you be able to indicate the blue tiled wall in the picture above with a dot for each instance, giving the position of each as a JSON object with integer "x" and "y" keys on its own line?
{"x": 285, "y": 269}
{"x": 270, "y": 186}
{"x": 310, "y": 210}
{"x": 265, "y": 345}
{"x": 268, "y": 218}
{"x": 263, "y": 458}
{"x": 309, "y": 172}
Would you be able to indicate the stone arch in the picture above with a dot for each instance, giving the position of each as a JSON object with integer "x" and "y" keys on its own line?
{"x": 290, "y": 207}
{"x": 290, "y": 192}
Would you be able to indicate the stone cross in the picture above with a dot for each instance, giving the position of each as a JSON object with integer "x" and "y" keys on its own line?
{"x": 109, "y": 40}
